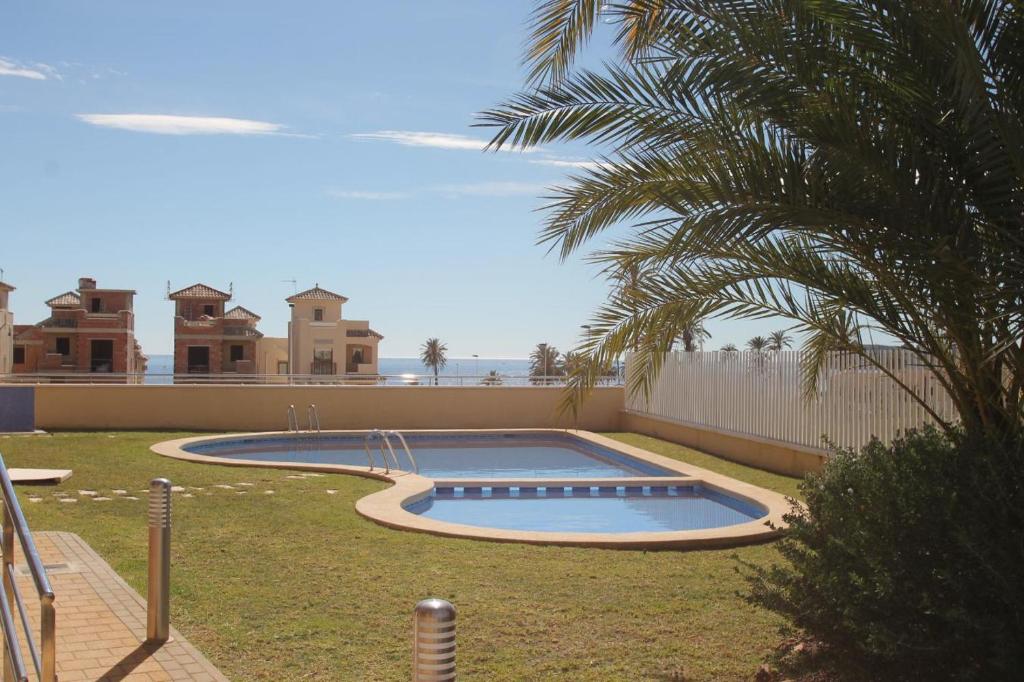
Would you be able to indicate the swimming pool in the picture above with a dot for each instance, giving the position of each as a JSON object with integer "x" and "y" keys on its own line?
{"x": 500, "y": 456}
{"x": 540, "y": 486}
{"x": 586, "y": 509}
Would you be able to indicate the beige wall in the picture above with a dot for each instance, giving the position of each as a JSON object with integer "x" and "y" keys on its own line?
{"x": 270, "y": 351}
{"x": 308, "y": 334}
{"x": 791, "y": 460}
{"x": 6, "y": 339}
{"x": 264, "y": 408}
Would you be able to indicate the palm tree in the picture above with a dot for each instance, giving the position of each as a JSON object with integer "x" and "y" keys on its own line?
{"x": 759, "y": 344}
{"x": 434, "y": 355}
{"x": 730, "y": 348}
{"x": 693, "y": 336}
{"x": 801, "y": 160}
{"x": 544, "y": 363}
{"x": 779, "y": 340}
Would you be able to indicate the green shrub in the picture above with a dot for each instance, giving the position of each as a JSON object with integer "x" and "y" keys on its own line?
{"x": 907, "y": 562}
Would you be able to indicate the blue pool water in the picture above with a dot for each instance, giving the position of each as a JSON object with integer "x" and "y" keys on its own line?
{"x": 443, "y": 456}
{"x": 587, "y": 509}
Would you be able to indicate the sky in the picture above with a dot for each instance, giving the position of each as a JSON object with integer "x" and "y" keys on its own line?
{"x": 272, "y": 146}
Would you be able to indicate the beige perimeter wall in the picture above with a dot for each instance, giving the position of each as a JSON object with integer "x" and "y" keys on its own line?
{"x": 782, "y": 458}
{"x": 264, "y": 408}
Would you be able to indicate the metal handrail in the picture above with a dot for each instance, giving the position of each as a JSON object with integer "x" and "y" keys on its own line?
{"x": 293, "y": 419}
{"x": 44, "y": 657}
{"x": 405, "y": 446}
{"x": 313, "y": 417}
{"x": 369, "y": 456}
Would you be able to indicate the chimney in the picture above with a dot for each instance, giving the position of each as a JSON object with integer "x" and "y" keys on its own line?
{"x": 86, "y": 283}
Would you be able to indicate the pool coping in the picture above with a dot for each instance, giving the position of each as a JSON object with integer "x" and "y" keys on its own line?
{"x": 387, "y": 507}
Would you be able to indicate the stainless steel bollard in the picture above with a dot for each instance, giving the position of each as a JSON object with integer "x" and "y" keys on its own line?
{"x": 433, "y": 647}
{"x": 158, "y": 592}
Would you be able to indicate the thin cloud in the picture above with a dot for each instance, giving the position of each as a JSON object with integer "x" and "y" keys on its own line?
{"x": 559, "y": 162}
{"x": 36, "y": 72}
{"x": 366, "y": 196}
{"x": 166, "y": 124}
{"x": 411, "y": 138}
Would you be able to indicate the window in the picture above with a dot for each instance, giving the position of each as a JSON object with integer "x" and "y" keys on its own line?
{"x": 237, "y": 353}
{"x": 282, "y": 367}
{"x": 19, "y": 355}
{"x": 208, "y": 310}
{"x": 318, "y": 314}
{"x": 97, "y": 304}
{"x": 64, "y": 345}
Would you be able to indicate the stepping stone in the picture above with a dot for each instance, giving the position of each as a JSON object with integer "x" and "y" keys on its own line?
{"x": 177, "y": 489}
{"x": 188, "y": 495}
{"x": 87, "y": 493}
{"x": 128, "y": 497}
{"x": 247, "y": 485}
{"x": 39, "y": 475}
{"x": 295, "y": 477}
{"x": 225, "y": 486}
{"x": 35, "y": 499}
{"x": 118, "y": 491}
{"x": 196, "y": 488}
{"x": 331, "y": 492}
{"x": 101, "y": 499}
{"x": 314, "y": 475}
{"x": 66, "y": 499}
{"x": 265, "y": 492}
{"x": 240, "y": 492}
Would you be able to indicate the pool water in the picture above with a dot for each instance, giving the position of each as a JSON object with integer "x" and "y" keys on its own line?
{"x": 509, "y": 456}
{"x": 587, "y": 509}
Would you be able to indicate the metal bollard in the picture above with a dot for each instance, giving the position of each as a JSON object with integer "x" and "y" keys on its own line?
{"x": 158, "y": 593}
{"x": 433, "y": 647}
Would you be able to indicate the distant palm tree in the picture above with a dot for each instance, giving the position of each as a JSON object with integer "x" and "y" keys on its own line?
{"x": 433, "y": 353}
{"x": 492, "y": 379}
{"x": 730, "y": 348}
{"x": 693, "y": 336}
{"x": 758, "y": 344}
{"x": 545, "y": 362}
{"x": 779, "y": 340}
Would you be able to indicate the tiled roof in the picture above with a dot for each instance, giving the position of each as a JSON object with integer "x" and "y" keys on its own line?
{"x": 240, "y": 313}
{"x": 316, "y": 294}
{"x": 199, "y": 290}
{"x": 65, "y": 299}
{"x": 364, "y": 333}
{"x": 6, "y": 287}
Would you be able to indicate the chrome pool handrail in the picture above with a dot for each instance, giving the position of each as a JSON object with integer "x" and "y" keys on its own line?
{"x": 405, "y": 446}
{"x": 366, "y": 446}
{"x": 313, "y": 417}
{"x": 293, "y": 419}
{"x": 44, "y": 660}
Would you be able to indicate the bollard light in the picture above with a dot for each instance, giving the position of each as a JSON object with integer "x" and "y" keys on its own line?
{"x": 433, "y": 647}
{"x": 158, "y": 592}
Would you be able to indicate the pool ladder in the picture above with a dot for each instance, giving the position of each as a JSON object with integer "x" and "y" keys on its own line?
{"x": 312, "y": 416}
{"x": 387, "y": 448}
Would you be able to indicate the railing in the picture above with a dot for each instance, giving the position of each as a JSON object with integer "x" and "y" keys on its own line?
{"x": 43, "y": 654}
{"x": 101, "y": 366}
{"x": 203, "y": 376}
{"x": 320, "y": 367}
{"x": 313, "y": 417}
{"x": 387, "y": 449}
{"x": 761, "y": 394}
{"x": 62, "y": 322}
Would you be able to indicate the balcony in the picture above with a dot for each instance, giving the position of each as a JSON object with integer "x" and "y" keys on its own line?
{"x": 323, "y": 367}
{"x": 62, "y": 322}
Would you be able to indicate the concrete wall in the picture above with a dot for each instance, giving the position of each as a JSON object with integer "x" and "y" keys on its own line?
{"x": 782, "y": 458}
{"x": 264, "y": 408}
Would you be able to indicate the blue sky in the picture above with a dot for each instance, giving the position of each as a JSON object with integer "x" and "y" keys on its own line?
{"x": 255, "y": 142}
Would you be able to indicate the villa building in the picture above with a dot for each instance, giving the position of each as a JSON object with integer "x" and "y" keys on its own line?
{"x": 209, "y": 339}
{"x": 321, "y": 341}
{"x": 90, "y": 330}
{"x": 6, "y": 330}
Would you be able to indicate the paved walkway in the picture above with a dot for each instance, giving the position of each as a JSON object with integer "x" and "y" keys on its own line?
{"x": 101, "y": 621}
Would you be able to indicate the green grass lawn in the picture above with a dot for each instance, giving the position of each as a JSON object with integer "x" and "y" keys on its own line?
{"x": 295, "y": 585}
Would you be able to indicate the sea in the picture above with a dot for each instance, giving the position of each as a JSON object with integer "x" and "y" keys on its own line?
{"x": 458, "y": 371}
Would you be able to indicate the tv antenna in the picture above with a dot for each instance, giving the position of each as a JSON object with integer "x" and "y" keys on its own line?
{"x": 295, "y": 284}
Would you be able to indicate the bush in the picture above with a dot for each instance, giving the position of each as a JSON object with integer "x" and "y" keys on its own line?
{"x": 907, "y": 562}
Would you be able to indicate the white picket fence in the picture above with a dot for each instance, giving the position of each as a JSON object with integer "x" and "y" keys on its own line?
{"x": 760, "y": 394}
